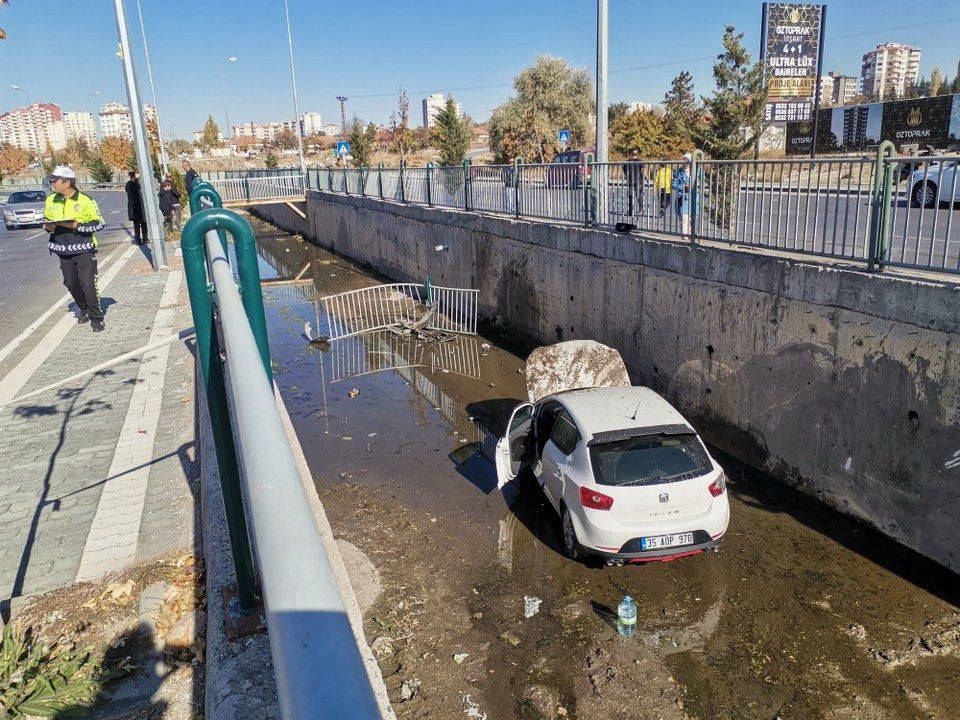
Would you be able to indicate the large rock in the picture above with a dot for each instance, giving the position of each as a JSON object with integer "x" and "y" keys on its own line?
{"x": 571, "y": 365}
{"x": 185, "y": 631}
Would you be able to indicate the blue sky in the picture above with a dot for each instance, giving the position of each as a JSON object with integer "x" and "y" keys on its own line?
{"x": 368, "y": 50}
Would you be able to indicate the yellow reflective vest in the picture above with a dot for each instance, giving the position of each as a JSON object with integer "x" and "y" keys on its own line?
{"x": 82, "y": 208}
{"x": 663, "y": 178}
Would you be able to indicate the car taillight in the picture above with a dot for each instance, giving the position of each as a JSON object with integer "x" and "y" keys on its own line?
{"x": 718, "y": 486}
{"x": 595, "y": 500}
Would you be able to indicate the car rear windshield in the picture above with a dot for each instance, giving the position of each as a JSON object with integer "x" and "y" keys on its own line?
{"x": 26, "y": 197}
{"x": 649, "y": 460}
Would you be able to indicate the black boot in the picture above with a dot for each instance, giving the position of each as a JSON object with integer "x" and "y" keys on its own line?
{"x": 83, "y": 317}
{"x": 97, "y": 324}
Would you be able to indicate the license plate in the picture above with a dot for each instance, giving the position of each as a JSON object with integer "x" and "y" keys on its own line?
{"x": 658, "y": 542}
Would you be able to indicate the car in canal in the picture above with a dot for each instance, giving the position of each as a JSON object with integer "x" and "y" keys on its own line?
{"x": 628, "y": 476}
{"x": 24, "y": 208}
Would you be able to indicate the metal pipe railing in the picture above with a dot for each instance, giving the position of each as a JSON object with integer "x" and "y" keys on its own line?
{"x": 318, "y": 666}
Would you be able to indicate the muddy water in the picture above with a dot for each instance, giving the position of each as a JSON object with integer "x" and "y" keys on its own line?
{"x": 803, "y": 613}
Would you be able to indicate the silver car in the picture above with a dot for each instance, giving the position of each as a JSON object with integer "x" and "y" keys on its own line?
{"x": 23, "y": 208}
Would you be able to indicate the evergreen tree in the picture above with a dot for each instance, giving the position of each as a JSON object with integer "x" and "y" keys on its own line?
{"x": 211, "y": 134}
{"x": 936, "y": 82}
{"x": 616, "y": 111}
{"x": 100, "y": 170}
{"x": 451, "y": 134}
{"x": 682, "y": 114}
{"x": 361, "y": 142}
{"x": 270, "y": 160}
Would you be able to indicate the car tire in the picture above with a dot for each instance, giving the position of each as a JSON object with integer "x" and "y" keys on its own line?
{"x": 9, "y": 227}
{"x": 571, "y": 546}
{"x": 924, "y": 194}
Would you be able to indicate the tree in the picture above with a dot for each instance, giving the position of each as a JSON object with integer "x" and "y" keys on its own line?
{"x": 643, "y": 134}
{"x": 13, "y": 159}
{"x": 403, "y": 140}
{"x": 100, "y": 170}
{"x": 682, "y": 115}
{"x": 50, "y": 158}
{"x": 117, "y": 152}
{"x": 211, "y": 134}
{"x": 179, "y": 147}
{"x": 77, "y": 152}
{"x": 736, "y": 105}
{"x": 286, "y": 139}
{"x": 616, "y": 111}
{"x": 955, "y": 85}
{"x": 271, "y": 160}
{"x": 936, "y": 81}
{"x": 180, "y": 185}
{"x": 361, "y": 142}
{"x": 451, "y": 134}
{"x": 549, "y": 96}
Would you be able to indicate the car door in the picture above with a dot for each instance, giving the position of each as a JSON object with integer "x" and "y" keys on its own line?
{"x": 564, "y": 438}
{"x": 513, "y": 448}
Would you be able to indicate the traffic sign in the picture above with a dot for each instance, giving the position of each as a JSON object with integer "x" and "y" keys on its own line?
{"x": 563, "y": 137}
{"x": 343, "y": 148}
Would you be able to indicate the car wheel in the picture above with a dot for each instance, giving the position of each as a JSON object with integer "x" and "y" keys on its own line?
{"x": 924, "y": 194}
{"x": 9, "y": 227}
{"x": 571, "y": 546}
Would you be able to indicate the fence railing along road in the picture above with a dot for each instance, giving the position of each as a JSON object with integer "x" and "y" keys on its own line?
{"x": 880, "y": 211}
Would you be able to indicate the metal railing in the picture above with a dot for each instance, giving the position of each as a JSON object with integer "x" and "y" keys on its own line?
{"x": 263, "y": 187}
{"x": 318, "y": 666}
{"x": 880, "y": 211}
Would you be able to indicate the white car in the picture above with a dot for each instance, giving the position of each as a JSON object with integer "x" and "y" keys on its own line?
{"x": 936, "y": 183}
{"x": 629, "y": 477}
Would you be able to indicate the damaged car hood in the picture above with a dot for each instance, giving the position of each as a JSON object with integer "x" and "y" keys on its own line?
{"x": 572, "y": 365}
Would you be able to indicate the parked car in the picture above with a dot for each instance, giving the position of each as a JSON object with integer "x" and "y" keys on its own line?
{"x": 23, "y": 208}
{"x": 628, "y": 476}
{"x": 566, "y": 169}
{"x": 936, "y": 183}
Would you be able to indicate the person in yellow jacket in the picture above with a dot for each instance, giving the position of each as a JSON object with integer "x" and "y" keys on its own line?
{"x": 662, "y": 182}
{"x": 72, "y": 218}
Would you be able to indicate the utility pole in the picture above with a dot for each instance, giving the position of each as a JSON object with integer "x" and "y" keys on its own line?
{"x": 226, "y": 114}
{"x": 153, "y": 92}
{"x": 600, "y": 192}
{"x": 343, "y": 114}
{"x": 148, "y": 184}
{"x": 296, "y": 104}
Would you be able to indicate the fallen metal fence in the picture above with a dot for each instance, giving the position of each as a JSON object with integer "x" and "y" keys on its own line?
{"x": 318, "y": 667}
{"x": 879, "y": 211}
{"x": 263, "y": 187}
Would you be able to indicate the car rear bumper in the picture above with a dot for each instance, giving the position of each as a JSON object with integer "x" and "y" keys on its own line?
{"x": 661, "y": 555}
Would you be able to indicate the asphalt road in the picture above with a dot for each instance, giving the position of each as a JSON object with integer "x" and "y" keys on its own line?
{"x": 30, "y": 280}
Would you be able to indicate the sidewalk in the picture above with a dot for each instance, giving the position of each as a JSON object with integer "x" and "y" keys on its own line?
{"x": 99, "y": 473}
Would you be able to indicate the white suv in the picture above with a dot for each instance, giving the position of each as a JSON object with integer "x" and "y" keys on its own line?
{"x": 936, "y": 183}
{"x": 629, "y": 477}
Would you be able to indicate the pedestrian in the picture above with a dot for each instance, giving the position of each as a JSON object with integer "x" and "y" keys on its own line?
{"x": 190, "y": 176}
{"x": 135, "y": 212}
{"x": 681, "y": 189}
{"x": 72, "y": 218}
{"x": 169, "y": 204}
{"x": 662, "y": 181}
{"x": 633, "y": 172}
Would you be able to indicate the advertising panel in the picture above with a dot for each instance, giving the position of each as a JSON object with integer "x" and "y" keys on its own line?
{"x": 791, "y": 50}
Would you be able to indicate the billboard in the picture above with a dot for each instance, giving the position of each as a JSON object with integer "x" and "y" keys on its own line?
{"x": 924, "y": 121}
{"x": 791, "y": 49}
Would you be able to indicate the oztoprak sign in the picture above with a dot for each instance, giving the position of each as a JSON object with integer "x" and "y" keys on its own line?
{"x": 791, "y": 47}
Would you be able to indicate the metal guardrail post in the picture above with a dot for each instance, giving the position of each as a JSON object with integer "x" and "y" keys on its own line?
{"x": 880, "y": 216}
{"x": 467, "y": 185}
{"x": 206, "y": 190}
{"x": 429, "y": 191}
{"x": 696, "y": 158}
{"x": 211, "y": 366}
{"x": 329, "y": 179}
{"x": 403, "y": 191}
{"x": 346, "y": 178}
{"x": 586, "y": 180}
{"x": 517, "y": 169}
{"x": 380, "y": 180}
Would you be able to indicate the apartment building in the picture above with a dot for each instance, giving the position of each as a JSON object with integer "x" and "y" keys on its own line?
{"x": 889, "y": 70}
{"x": 33, "y": 128}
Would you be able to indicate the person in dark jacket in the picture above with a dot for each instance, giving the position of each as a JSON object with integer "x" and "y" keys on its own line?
{"x": 634, "y": 176}
{"x": 190, "y": 176}
{"x": 135, "y": 212}
{"x": 169, "y": 202}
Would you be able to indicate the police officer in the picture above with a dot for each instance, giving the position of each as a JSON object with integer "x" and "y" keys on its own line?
{"x": 72, "y": 217}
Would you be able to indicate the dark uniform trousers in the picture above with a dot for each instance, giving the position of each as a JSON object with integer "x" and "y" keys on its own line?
{"x": 80, "y": 277}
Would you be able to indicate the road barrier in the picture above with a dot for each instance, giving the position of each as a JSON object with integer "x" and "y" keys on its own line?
{"x": 316, "y": 660}
{"x": 882, "y": 211}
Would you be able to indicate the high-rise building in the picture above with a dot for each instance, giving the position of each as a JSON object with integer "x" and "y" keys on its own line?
{"x": 79, "y": 125}
{"x": 115, "y": 119}
{"x": 264, "y": 132}
{"x": 838, "y": 89}
{"x": 311, "y": 123}
{"x": 889, "y": 70}
{"x": 330, "y": 129}
{"x": 432, "y": 105}
{"x": 33, "y": 128}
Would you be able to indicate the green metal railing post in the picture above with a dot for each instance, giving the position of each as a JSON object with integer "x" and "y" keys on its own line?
{"x": 428, "y": 286}
{"x": 206, "y": 190}
{"x": 211, "y": 366}
{"x": 380, "y": 180}
{"x": 696, "y": 159}
{"x": 403, "y": 190}
{"x": 429, "y": 191}
{"x": 880, "y": 216}
{"x": 330, "y": 179}
{"x": 589, "y": 207}
{"x": 517, "y": 168}
{"x": 467, "y": 185}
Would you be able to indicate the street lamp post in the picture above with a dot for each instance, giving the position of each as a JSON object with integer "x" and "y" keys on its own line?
{"x": 93, "y": 115}
{"x": 226, "y": 114}
{"x": 153, "y": 92}
{"x": 148, "y": 184}
{"x": 601, "y": 109}
{"x": 296, "y": 105}
{"x": 33, "y": 130}
{"x": 23, "y": 90}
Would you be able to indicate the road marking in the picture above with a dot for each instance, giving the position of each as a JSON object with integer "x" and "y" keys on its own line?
{"x": 28, "y": 331}
{"x": 14, "y": 381}
{"x": 112, "y": 540}
{"x": 31, "y": 237}
{"x": 114, "y": 212}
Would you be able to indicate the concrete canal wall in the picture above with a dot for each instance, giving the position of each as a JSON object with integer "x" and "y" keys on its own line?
{"x": 842, "y": 383}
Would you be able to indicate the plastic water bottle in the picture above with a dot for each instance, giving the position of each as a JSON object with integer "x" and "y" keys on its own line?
{"x": 627, "y": 617}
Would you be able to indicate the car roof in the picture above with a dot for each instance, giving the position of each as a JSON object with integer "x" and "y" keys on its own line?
{"x": 603, "y": 409}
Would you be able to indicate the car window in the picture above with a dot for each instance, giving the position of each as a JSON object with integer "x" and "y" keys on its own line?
{"x": 649, "y": 460}
{"x": 27, "y": 197}
{"x": 565, "y": 434}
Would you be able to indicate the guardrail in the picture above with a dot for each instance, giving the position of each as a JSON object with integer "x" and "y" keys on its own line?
{"x": 880, "y": 211}
{"x": 259, "y": 188}
{"x": 316, "y": 660}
